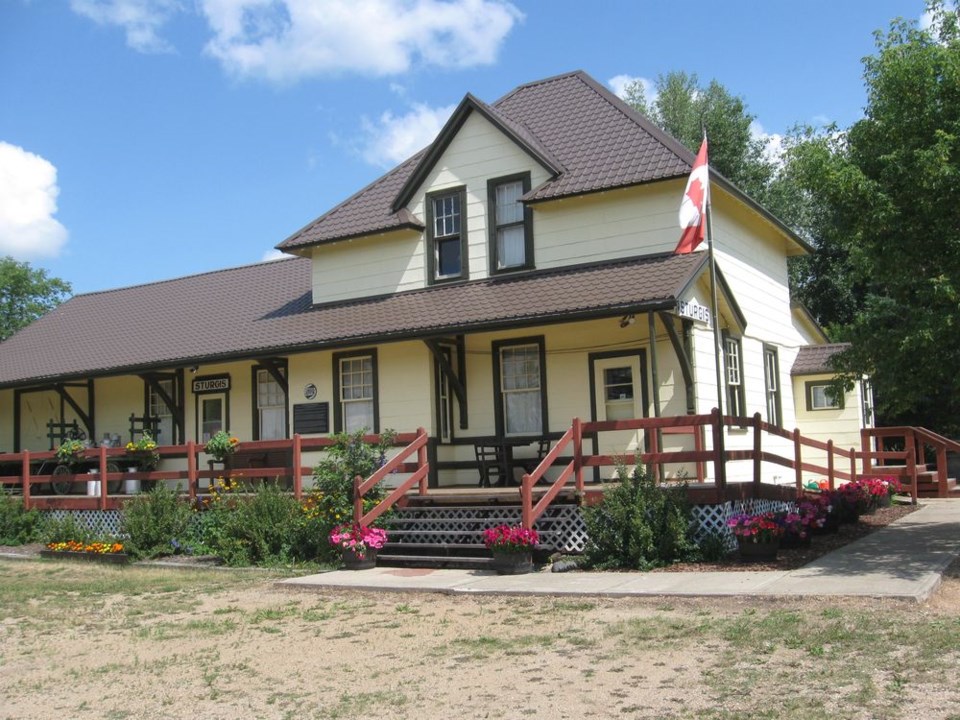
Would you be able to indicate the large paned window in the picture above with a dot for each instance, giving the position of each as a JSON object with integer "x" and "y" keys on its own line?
{"x": 733, "y": 365}
{"x": 447, "y": 235}
{"x": 511, "y": 242}
{"x": 271, "y": 407}
{"x": 521, "y": 397}
{"x": 157, "y": 408}
{"x": 356, "y": 392}
{"x": 771, "y": 375}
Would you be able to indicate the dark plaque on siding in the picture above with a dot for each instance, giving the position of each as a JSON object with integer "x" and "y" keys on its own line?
{"x": 311, "y": 418}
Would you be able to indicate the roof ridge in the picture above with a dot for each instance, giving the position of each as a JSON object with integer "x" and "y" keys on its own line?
{"x": 542, "y": 81}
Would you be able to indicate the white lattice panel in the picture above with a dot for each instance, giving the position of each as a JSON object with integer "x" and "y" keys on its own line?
{"x": 102, "y": 522}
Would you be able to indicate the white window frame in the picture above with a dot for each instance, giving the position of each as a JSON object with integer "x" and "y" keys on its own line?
{"x": 733, "y": 368}
{"x": 535, "y": 389}
{"x": 265, "y": 378}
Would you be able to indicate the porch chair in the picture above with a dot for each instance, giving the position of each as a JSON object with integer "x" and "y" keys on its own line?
{"x": 490, "y": 462}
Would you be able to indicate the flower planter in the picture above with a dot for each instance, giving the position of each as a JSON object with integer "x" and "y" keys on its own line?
{"x": 512, "y": 563}
{"x": 103, "y": 558}
{"x": 793, "y": 542}
{"x": 758, "y": 551}
{"x": 352, "y": 561}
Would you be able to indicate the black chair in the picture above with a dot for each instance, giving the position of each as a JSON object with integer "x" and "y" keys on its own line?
{"x": 490, "y": 462}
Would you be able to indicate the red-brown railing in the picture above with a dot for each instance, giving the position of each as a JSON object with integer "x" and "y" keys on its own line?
{"x": 27, "y": 479}
{"x": 840, "y": 463}
{"x": 916, "y": 441}
{"x": 361, "y": 487}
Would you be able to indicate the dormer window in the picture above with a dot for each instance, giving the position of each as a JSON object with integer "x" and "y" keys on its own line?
{"x": 447, "y": 236}
{"x": 511, "y": 224}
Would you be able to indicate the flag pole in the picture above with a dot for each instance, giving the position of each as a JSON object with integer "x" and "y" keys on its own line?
{"x": 717, "y": 346}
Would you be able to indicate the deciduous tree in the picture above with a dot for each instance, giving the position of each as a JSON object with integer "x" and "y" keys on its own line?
{"x": 25, "y": 294}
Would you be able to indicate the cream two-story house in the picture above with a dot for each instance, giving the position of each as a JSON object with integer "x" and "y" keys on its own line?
{"x": 515, "y": 274}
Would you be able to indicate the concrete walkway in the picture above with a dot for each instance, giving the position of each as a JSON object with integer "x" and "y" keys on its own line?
{"x": 903, "y": 561}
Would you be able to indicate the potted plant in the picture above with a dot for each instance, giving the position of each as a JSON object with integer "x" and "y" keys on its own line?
{"x": 796, "y": 529}
{"x": 144, "y": 452}
{"x": 758, "y": 535}
{"x": 221, "y": 446}
{"x": 70, "y": 453}
{"x": 854, "y": 500}
{"x": 358, "y": 544}
{"x": 511, "y": 547}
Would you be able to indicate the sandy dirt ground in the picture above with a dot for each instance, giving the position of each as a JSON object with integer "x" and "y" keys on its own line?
{"x": 220, "y": 644}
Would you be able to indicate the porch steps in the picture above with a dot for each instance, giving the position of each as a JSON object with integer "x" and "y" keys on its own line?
{"x": 429, "y": 535}
{"x": 927, "y": 484}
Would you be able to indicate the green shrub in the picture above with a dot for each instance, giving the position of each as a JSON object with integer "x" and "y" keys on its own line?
{"x": 155, "y": 522}
{"x": 264, "y": 528}
{"x": 330, "y": 501}
{"x": 65, "y": 529}
{"x": 713, "y": 547}
{"x": 18, "y": 526}
{"x": 640, "y": 525}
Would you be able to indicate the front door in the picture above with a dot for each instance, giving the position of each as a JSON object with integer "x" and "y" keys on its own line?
{"x": 617, "y": 383}
{"x": 213, "y": 415}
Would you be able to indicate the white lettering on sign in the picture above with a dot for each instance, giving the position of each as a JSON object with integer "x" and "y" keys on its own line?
{"x": 211, "y": 384}
{"x": 693, "y": 310}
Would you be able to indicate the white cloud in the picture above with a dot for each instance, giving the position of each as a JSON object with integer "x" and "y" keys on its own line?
{"x": 392, "y": 139}
{"x": 272, "y": 255}
{"x": 286, "y": 40}
{"x": 619, "y": 84}
{"x": 28, "y": 201}
{"x": 772, "y": 142}
{"x": 140, "y": 19}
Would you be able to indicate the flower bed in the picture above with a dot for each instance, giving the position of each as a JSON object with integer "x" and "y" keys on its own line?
{"x": 110, "y": 553}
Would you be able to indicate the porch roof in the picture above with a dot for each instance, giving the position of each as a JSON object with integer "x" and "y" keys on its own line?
{"x": 816, "y": 359}
{"x": 265, "y": 309}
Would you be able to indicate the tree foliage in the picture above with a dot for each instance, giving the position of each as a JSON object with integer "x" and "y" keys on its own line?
{"x": 886, "y": 209}
{"x": 25, "y": 294}
{"x": 684, "y": 108}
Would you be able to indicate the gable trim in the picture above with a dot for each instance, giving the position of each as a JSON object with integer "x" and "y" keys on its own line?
{"x": 436, "y": 149}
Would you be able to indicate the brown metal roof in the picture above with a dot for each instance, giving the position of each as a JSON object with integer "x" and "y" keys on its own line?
{"x": 815, "y": 359}
{"x": 570, "y": 121}
{"x": 265, "y": 309}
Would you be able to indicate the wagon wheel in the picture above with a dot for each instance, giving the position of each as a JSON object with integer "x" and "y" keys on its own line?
{"x": 61, "y": 487}
{"x": 114, "y": 486}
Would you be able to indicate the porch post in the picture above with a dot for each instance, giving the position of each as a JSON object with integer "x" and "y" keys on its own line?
{"x": 719, "y": 454}
{"x": 297, "y": 460}
{"x": 578, "y": 453}
{"x": 757, "y": 453}
{"x": 658, "y": 441}
{"x": 192, "y": 480}
{"x": 797, "y": 459}
{"x": 830, "y": 476}
{"x": 103, "y": 477}
{"x": 25, "y": 478}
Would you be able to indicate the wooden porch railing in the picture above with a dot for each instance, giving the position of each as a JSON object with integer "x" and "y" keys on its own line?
{"x": 27, "y": 477}
{"x": 841, "y": 464}
{"x": 419, "y": 477}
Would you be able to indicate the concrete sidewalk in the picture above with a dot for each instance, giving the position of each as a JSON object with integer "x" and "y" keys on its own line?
{"x": 903, "y": 561}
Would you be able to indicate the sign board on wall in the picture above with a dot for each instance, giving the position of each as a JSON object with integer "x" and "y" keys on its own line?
{"x": 211, "y": 384}
{"x": 693, "y": 310}
{"x": 311, "y": 418}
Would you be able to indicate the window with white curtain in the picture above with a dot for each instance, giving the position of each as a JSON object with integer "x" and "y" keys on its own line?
{"x": 356, "y": 393}
{"x": 271, "y": 407}
{"x": 771, "y": 374}
{"x": 509, "y": 223}
{"x": 520, "y": 388}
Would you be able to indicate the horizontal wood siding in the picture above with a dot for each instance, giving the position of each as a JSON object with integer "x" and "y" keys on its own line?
{"x": 377, "y": 265}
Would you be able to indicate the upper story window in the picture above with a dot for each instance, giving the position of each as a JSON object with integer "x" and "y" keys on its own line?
{"x": 511, "y": 225}
{"x": 733, "y": 361}
{"x": 446, "y": 236}
{"x": 771, "y": 376}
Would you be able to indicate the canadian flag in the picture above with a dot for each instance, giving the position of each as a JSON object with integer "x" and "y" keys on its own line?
{"x": 693, "y": 207}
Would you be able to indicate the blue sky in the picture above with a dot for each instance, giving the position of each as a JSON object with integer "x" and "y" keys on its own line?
{"x": 147, "y": 139}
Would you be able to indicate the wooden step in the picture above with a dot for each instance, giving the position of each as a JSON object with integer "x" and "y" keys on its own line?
{"x": 432, "y": 561}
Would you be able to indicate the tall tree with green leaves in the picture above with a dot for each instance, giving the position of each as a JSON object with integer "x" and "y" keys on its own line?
{"x": 888, "y": 196}
{"x": 25, "y": 294}
{"x": 684, "y": 108}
